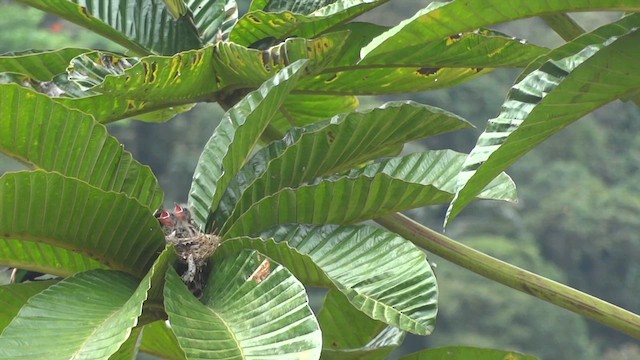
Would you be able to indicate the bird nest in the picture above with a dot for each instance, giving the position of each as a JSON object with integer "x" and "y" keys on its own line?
{"x": 193, "y": 247}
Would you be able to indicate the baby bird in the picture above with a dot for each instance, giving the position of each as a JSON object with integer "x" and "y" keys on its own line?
{"x": 185, "y": 225}
{"x": 167, "y": 221}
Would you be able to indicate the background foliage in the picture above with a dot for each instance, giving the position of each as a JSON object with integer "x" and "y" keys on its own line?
{"x": 575, "y": 222}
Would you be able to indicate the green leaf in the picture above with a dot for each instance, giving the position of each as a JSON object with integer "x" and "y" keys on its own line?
{"x": 391, "y": 185}
{"x": 103, "y": 108}
{"x": 435, "y": 23}
{"x": 199, "y": 74}
{"x": 39, "y": 65}
{"x": 545, "y": 102}
{"x": 232, "y": 142}
{"x": 596, "y": 37}
{"x": 129, "y": 349}
{"x": 179, "y": 79}
{"x": 159, "y": 340}
{"x": 465, "y": 353}
{"x": 348, "y": 333}
{"x": 282, "y": 23}
{"x": 383, "y": 81}
{"x": 243, "y": 318}
{"x": 14, "y": 296}
{"x": 382, "y": 274}
{"x": 65, "y": 212}
{"x": 45, "y": 135}
{"x": 332, "y": 147}
{"x": 45, "y": 258}
{"x": 298, "y": 6}
{"x": 137, "y": 25}
{"x": 481, "y": 48}
{"x": 237, "y": 65}
{"x": 300, "y": 110}
{"x": 93, "y": 312}
{"x": 213, "y": 17}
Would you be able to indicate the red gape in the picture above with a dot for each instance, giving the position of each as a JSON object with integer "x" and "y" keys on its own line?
{"x": 166, "y": 219}
{"x": 181, "y": 213}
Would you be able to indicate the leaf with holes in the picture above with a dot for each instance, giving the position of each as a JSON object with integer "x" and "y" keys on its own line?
{"x": 282, "y": 23}
{"x": 435, "y": 23}
{"x": 544, "y": 102}
{"x": 39, "y": 65}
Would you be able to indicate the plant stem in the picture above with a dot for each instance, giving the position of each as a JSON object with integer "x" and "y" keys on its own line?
{"x": 563, "y": 25}
{"x": 513, "y": 276}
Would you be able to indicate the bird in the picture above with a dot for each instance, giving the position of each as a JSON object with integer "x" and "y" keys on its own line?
{"x": 167, "y": 221}
{"x": 185, "y": 225}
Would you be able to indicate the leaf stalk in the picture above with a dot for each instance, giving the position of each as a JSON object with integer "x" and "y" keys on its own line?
{"x": 535, "y": 285}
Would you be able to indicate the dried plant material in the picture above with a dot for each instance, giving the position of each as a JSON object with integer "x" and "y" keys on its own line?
{"x": 192, "y": 246}
{"x": 261, "y": 273}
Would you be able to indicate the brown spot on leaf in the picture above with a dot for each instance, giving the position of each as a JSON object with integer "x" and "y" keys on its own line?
{"x": 254, "y": 19}
{"x": 427, "y": 71}
{"x": 331, "y": 78}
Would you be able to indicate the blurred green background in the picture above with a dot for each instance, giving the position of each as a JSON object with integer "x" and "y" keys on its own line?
{"x": 576, "y": 222}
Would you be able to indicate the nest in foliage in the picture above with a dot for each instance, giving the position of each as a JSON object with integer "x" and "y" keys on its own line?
{"x": 193, "y": 247}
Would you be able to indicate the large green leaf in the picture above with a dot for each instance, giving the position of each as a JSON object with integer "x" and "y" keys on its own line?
{"x": 433, "y": 64}
{"x": 213, "y": 18}
{"x": 45, "y": 258}
{"x": 198, "y": 75}
{"x": 597, "y": 36}
{"x": 129, "y": 349}
{"x": 465, "y": 353}
{"x": 362, "y": 80}
{"x": 281, "y": 24}
{"x": 348, "y": 333}
{"x": 159, "y": 340}
{"x": 545, "y": 102}
{"x": 435, "y": 23}
{"x": 65, "y": 212}
{"x": 333, "y": 146}
{"x": 238, "y": 66}
{"x": 391, "y": 185}
{"x": 45, "y": 135}
{"x": 39, "y": 65}
{"x": 141, "y": 26}
{"x": 300, "y": 110}
{"x": 103, "y": 108}
{"x": 232, "y": 142}
{"x": 240, "y": 317}
{"x": 480, "y": 48}
{"x": 14, "y": 296}
{"x": 86, "y": 316}
{"x": 382, "y": 274}
{"x": 298, "y": 6}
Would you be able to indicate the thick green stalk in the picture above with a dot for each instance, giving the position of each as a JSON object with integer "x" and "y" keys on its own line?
{"x": 513, "y": 276}
{"x": 563, "y": 25}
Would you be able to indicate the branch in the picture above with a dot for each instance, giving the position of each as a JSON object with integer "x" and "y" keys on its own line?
{"x": 513, "y": 276}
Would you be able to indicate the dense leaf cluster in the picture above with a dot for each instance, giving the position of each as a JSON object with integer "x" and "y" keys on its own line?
{"x": 286, "y": 180}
